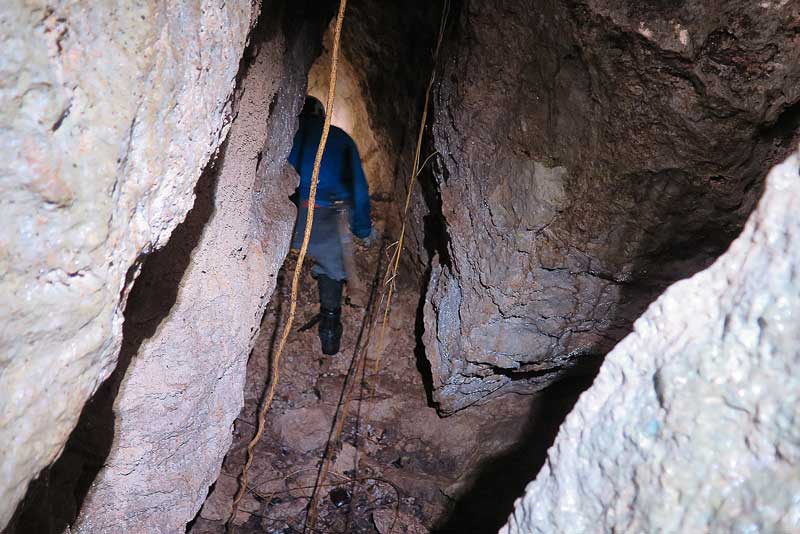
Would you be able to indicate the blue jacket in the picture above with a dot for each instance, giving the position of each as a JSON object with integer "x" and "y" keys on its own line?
{"x": 340, "y": 176}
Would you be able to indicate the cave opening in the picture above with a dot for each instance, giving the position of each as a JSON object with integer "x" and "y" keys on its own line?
{"x": 579, "y": 158}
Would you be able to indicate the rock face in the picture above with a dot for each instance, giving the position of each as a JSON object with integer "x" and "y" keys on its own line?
{"x": 389, "y": 44}
{"x": 692, "y": 424}
{"x": 90, "y": 96}
{"x": 183, "y": 388}
{"x": 590, "y": 154}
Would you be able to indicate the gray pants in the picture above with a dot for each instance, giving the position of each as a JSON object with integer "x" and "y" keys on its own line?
{"x": 325, "y": 246}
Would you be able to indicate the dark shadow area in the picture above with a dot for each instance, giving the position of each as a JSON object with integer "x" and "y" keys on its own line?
{"x": 422, "y": 362}
{"x": 390, "y": 44}
{"x": 486, "y": 505}
{"x": 785, "y": 128}
{"x": 54, "y": 499}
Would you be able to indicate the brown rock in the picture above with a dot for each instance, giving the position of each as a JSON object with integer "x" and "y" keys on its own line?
{"x": 306, "y": 428}
{"x": 591, "y": 153}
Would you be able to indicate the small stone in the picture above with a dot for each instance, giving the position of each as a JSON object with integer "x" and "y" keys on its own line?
{"x": 340, "y": 497}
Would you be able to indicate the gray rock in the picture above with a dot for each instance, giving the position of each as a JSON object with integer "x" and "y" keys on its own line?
{"x": 88, "y": 182}
{"x": 184, "y": 385}
{"x": 590, "y": 154}
{"x": 692, "y": 424}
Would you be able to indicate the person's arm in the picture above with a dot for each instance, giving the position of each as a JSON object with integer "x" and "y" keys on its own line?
{"x": 360, "y": 223}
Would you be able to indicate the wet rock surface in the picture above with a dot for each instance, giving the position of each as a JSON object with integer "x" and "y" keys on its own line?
{"x": 415, "y": 468}
{"x": 108, "y": 115}
{"x": 591, "y": 153}
{"x": 692, "y": 422}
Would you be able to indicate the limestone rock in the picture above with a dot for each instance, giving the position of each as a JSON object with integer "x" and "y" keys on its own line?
{"x": 88, "y": 182}
{"x": 692, "y": 424}
{"x": 184, "y": 386}
{"x": 590, "y": 153}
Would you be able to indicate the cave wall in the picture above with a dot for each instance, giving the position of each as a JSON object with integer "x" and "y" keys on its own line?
{"x": 184, "y": 386}
{"x": 692, "y": 423}
{"x": 390, "y": 46}
{"x": 591, "y": 153}
{"x": 88, "y": 183}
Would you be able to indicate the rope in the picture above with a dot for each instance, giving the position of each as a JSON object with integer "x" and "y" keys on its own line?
{"x": 297, "y": 272}
{"x": 267, "y": 496}
{"x": 389, "y": 287}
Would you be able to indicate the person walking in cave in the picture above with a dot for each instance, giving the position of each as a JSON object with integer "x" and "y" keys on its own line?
{"x": 342, "y": 186}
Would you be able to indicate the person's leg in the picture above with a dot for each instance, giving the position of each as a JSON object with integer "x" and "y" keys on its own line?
{"x": 330, "y": 312}
{"x": 326, "y": 249}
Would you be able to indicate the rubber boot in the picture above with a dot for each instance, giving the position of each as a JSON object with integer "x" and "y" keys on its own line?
{"x": 330, "y": 331}
{"x": 330, "y": 324}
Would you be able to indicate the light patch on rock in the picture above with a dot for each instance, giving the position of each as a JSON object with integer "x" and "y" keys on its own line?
{"x": 645, "y": 31}
{"x": 345, "y": 459}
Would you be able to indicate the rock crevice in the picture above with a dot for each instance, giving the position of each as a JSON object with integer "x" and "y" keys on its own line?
{"x": 185, "y": 383}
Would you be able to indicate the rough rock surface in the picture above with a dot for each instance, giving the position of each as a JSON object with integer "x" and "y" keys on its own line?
{"x": 87, "y": 183}
{"x": 389, "y": 44}
{"x": 693, "y": 423}
{"x": 183, "y": 388}
{"x": 590, "y": 154}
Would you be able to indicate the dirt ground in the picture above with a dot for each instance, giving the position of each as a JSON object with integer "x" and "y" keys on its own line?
{"x": 398, "y": 467}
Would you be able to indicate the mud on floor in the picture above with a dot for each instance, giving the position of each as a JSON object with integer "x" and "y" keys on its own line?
{"x": 398, "y": 467}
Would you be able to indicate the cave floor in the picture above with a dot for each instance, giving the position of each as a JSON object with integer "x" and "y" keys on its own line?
{"x": 454, "y": 474}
